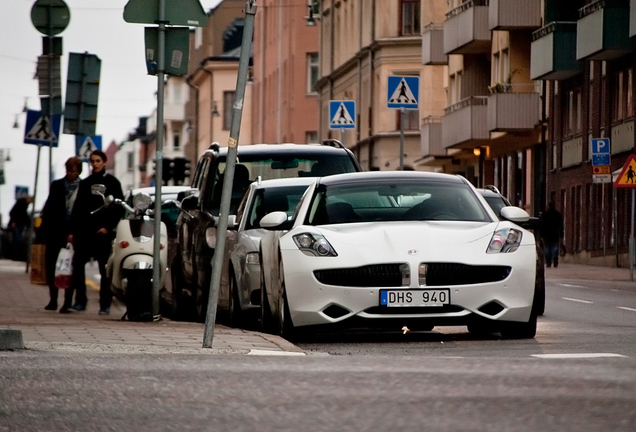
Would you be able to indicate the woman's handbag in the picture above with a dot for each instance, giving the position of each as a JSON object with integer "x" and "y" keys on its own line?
{"x": 64, "y": 267}
{"x": 38, "y": 265}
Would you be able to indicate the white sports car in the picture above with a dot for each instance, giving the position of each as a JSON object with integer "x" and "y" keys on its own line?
{"x": 398, "y": 248}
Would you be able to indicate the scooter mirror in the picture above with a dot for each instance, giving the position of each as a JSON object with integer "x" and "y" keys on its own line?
{"x": 98, "y": 189}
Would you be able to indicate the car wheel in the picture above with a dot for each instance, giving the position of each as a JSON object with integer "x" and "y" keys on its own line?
{"x": 285, "y": 325}
{"x": 267, "y": 320}
{"x": 539, "y": 293}
{"x": 520, "y": 330}
{"x": 235, "y": 312}
{"x": 178, "y": 306}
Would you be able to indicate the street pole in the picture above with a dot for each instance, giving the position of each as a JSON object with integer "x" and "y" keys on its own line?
{"x": 402, "y": 112}
{"x": 631, "y": 240}
{"x": 217, "y": 259}
{"x": 156, "y": 257}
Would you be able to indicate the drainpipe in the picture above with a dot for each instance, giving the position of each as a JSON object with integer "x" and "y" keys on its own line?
{"x": 195, "y": 153}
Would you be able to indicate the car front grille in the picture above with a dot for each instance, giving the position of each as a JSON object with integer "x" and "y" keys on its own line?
{"x": 445, "y": 274}
{"x": 390, "y": 275}
{"x": 376, "y": 275}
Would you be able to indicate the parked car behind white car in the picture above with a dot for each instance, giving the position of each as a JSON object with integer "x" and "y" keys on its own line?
{"x": 398, "y": 248}
{"x": 240, "y": 278}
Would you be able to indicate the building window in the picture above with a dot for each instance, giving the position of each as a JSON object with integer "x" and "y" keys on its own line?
{"x": 312, "y": 71}
{"x": 176, "y": 92}
{"x": 131, "y": 162}
{"x": 410, "y": 18}
{"x": 228, "y": 108}
{"x": 572, "y": 119}
{"x": 617, "y": 107}
{"x": 176, "y": 142}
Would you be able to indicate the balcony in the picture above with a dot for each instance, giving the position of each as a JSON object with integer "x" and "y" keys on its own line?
{"x": 465, "y": 122}
{"x": 466, "y": 29}
{"x": 433, "y": 45}
{"x": 514, "y": 14}
{"x": 510, "y": 110}
{"x": 603, "y": 31}
{"x": 552, "y": 52}
{"x": 431, "y": 133}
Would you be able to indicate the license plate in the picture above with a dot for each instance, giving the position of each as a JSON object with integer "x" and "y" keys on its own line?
{"x": 407, "y": 297}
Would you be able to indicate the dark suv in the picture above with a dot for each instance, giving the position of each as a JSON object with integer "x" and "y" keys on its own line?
{"x": 190, "y": 253}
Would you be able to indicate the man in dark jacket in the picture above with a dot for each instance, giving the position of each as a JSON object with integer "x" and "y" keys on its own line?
{"x": 56, "y": 216}
{"x": 552, "y": 233}
{"x": 92, "y": 234}
{"x": 19, "y": 221}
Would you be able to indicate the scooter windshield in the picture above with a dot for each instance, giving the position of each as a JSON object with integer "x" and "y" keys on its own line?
{"x": 142, "y": 230}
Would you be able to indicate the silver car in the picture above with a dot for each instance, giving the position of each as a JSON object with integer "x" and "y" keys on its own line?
{"x": 239, "y": 293}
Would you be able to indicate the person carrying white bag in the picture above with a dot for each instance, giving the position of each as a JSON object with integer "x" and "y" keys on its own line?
{"x": 64, "y": 267}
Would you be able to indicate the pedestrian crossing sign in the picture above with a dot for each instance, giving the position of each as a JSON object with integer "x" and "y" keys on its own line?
{"x": 40, "y": 130}
{"x": 403, "y": 92}
{"x": 88, "y": 145}
{"x": 627, "y": 177}
{"x": 342, "y": 114}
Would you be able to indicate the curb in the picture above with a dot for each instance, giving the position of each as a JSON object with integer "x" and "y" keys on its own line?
{"x": 11, "y": 340}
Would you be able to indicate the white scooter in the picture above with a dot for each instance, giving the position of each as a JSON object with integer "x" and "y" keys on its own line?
{"x": 129, "y": 266}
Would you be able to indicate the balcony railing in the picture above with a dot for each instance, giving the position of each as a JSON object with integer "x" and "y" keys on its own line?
{"x": 465, "y": 122}
{"x": 514, "y": 14}
{"x": 516, "y": 108}
{"x": 431, "y": 133}
{"x": 603, "y": 31}
{"x": 466, "y": 29}
{"x": 552, "y": 52}
{"x": 433, "y": 45}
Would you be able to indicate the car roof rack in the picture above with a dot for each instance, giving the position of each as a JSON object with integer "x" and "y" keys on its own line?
{"x": 333, "y": 143}
{"x": 492, "y": 188}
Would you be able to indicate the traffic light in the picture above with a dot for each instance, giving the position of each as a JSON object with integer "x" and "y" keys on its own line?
{"x": 167, "y": 171}
{"x": 181, "y": 170}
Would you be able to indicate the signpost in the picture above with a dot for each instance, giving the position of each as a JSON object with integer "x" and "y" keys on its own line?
{"x": 342, "y": 114}
{"x": 87, "y": 145}
{"x": 172, "y": 13}
{"x": 49, "y": 17}
{"x": 627, "y": 179}
{"x": 403, "y": 93}
{"x": 601, "y": 160}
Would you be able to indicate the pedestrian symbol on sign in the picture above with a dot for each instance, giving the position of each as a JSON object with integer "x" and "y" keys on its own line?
{"x": 41, "y": 130}
{"x": 88, "y": 145}
{"x": 403, "y": 94}
{"x": 341, "y": 114}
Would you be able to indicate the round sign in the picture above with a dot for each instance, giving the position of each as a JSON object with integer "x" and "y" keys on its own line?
{"x": 50, "y": 17}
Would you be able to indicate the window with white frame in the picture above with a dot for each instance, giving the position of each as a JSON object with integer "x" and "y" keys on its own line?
{"x": 410, "y": 17}
{"x": 313, "y": 72}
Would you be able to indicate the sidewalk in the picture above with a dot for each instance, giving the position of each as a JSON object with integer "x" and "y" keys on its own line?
{"x": 22, "y": 308}
{"x": 588, "y": 272}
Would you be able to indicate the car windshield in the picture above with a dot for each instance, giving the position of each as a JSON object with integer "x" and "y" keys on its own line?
{"x": 274, "y": 199}
{"x": 398, "y": 201}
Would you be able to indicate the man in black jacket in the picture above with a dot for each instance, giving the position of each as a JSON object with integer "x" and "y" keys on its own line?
{"x": 92, "y": 234}
{"x": 552, "y": 232}
{"x": 56, "y": 216}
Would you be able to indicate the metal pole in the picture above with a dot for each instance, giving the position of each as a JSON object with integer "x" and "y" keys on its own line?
{"x": 217, "y": 259}
{"x": 631, "y": 240}
{"x": 50, "y": 109}
{"x": 156, "y": 257}
{"x": 35, "y": 195}
{"x": 402, "y": 111}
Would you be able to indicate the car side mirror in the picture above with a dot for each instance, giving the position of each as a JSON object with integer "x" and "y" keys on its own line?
{"x": 514, "y": 214}
{"x": 189, "y": 203}
{"x": 275, "y": 221}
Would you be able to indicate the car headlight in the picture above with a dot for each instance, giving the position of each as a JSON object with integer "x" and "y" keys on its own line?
{"x": 505, "y": 241}
{"x": 314, "y": 245}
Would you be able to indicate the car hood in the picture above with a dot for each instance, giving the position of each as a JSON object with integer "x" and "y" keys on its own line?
{"x": 434, "y": 240}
